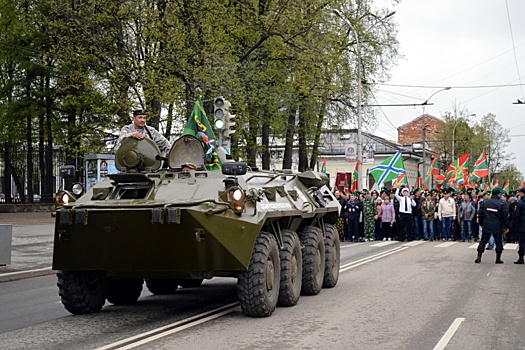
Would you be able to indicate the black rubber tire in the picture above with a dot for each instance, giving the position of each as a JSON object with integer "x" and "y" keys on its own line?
{"x": 313, "y": 260}
{"x": 124, "y": 291}
{"x": 161, "y": 286}
{"x": 189, "y": 283}
{"x": 258, "y": 287}
{"x": 82, "y": 292}
{"x": 332, "y": 252}
{"x": 291, "y": 269}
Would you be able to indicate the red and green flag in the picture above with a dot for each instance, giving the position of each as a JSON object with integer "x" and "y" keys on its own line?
{"x": 354, "y": 177}
{"x": 495, "y": 183}
{"x": 440, "y": 179}
{"x": 199, "y": 126}
{"x": 481, "y": 168}
{"x": 388, "y": 170}
{"x": 506, "y": 187}
{"x": 323, "y": 169}
{"x": 457, "y": 169}
{"x": 400, "y": 181}
{"x": 432, "y": 171}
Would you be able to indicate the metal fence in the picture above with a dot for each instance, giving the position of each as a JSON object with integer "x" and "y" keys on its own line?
{"x": 29, "y": 174}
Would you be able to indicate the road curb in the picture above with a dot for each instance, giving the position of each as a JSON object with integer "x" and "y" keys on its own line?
{"x": 13, "y": 276}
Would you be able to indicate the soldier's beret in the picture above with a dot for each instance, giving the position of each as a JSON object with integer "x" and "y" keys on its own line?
{"x": 140, "y": 112}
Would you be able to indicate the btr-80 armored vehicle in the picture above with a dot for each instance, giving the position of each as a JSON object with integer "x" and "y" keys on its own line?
{"x": 272, "y": 230}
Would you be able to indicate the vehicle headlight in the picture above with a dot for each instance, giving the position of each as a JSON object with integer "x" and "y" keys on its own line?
{"x": 65, "y": 198}
{"x": 236, "y": 194}
{"x": 77, "y": 189}
{"x": 236, "y": 197}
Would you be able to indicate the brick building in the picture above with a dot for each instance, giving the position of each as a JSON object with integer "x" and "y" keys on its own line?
{"x": 412, "y": 132}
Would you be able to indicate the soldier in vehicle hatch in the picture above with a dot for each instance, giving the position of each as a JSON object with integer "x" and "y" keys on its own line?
{"x": 139, "y": 130}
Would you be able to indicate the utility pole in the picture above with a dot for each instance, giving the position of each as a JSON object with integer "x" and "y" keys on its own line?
{"x": 424, "y": 128}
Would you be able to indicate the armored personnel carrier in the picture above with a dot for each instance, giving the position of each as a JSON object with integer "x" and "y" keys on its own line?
{"x": 272, "y": 230}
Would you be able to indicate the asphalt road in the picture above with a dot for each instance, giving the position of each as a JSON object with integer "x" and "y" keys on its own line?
{"x": 421, "y": 295}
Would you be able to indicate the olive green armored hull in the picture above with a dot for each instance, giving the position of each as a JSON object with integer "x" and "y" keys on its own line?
{"x": 181, "y": 225}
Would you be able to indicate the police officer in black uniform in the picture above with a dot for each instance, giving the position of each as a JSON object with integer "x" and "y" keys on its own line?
{"x": 493, "y": 217}
{"x": 519, "y": 225}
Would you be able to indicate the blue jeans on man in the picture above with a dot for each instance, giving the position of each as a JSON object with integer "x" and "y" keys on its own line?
{"x": 430, "y": 226}
{"x": 418, "y": 225}
{"x": 490, "y": 246}
{"x": 466, "y": 227}
{"x": 446, "y": 222}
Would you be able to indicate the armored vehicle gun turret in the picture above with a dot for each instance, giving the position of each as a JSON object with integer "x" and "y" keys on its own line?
{"x": 272, "y": 230}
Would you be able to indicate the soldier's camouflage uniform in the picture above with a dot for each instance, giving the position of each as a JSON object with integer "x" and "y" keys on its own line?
{"x": 150, "y": 132}
{"x": 369, "y": 211}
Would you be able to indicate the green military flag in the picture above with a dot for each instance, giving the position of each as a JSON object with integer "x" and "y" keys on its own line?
{"x": 199, "y": 126}
{"x": 389, "y": 169}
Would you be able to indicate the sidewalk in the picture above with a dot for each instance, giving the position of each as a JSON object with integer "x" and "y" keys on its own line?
{"x": 32, "y": 245}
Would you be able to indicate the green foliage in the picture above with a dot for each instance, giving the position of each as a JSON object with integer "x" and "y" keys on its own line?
{"x": 83, "y": 65}
{"x": 472, "y": 136}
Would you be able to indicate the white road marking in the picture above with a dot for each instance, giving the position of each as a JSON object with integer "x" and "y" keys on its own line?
{"x": 413, "y": 243}
{"x": 349, "y": 246}
{"x": 382, "y": 244}
{"x": 178, "y": 326}
{"x": 474, "y": 246}
{"x": 360, "y": 262}
{"x": 445, "y": 245}
{"x": 449, "y": 334}
{"x": 511, "y": 246}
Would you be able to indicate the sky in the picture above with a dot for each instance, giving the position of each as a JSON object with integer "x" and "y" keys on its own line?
{"x": 473, "y": 46}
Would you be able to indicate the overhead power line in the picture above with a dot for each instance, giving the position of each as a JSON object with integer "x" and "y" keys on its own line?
{"x": 454, "y": 87}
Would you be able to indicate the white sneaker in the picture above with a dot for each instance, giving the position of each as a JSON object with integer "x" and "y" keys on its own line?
{"x": 389, "y": 239}
{"x": 384, "y": 239}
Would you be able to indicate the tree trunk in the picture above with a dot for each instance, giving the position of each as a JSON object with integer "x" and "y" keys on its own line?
{"x": 266, "y": 143}
{"x": 317, "y": 140}
{"x": 288, "y": 146}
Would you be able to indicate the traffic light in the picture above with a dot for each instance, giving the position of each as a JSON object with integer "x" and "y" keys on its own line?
{"x": 221, "y": 111}
{"x": 229, "y": 124}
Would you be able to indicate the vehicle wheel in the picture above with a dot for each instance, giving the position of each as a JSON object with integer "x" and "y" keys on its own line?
{"x": 189, "y": 283}
{"x": 124, "y": 291}
{"x": 161, "y": 286}
{"x": 313, "y": 260}
{"x": 332, "y": 246}
{"x": 258, "y": 287}
{"x": 291, "y": 269}
{"x": 82, "y": 292}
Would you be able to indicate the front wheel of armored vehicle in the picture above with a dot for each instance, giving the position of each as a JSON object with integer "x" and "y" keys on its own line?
{"x": 159, "y": 286}
{"x": 291, "y": 269}
{"x": 313, "y": 260}
{"x": 332, "y": 246}
{"x": 82, "y": 292}
{"x": 258, "y": 287}
{"x": 124, "y": 291}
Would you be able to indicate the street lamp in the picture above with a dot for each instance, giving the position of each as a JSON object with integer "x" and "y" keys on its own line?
{"x": 424, "y": 127}
{"x": 360, "y": 92}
